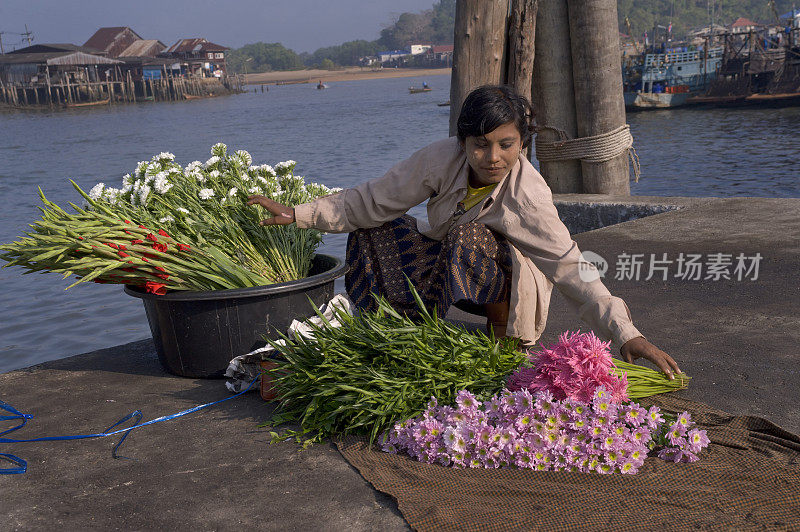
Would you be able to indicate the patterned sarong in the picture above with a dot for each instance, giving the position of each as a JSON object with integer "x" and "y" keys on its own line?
{"x": 470, "y": 264}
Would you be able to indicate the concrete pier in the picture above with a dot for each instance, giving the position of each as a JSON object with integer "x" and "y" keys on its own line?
{"x": 738, "y": 339}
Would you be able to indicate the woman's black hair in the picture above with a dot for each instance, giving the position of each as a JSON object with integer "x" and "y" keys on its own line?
{"x": 489, "y": 107}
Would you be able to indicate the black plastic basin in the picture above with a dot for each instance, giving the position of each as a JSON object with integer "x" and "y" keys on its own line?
{"x": 197, "y": 333}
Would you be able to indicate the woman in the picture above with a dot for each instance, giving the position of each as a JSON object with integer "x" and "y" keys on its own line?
{"x": 493, "y": 236}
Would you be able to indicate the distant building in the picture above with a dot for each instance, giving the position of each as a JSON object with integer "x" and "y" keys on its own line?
{"x": 112, "y": 41}
{"x": 744, "y": 25}
{"x": 442, "y": 52}
{"x": 391, "y": 55}
{"x": 199, "y": 57}
{"x": 41, "y": 61}
{"x": 417, "y": 49}
{"x": 144, "y": 48}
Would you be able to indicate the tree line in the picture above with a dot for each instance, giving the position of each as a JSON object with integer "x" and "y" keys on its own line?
{"x": 435, "y": 26}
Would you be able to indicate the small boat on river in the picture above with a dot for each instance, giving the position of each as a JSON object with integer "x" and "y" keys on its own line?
{"x": 88, "y": 104}
{"x": 415, "y": 90}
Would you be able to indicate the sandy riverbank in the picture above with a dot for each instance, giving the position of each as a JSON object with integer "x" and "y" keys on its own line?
{"x": 347, "y": 74}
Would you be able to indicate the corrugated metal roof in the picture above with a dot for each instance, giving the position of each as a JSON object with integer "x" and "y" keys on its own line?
{"x": 194, "y": 45}
{"x": 113, "y": 40}
{"x": 143, "y": 48}
{"x": 57, "y": 58}
{"x": 80, "y": 58}
{"x": 53, "y": 48}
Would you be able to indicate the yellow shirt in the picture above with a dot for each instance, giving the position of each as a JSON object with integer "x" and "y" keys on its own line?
{"x": 476, "y": 195}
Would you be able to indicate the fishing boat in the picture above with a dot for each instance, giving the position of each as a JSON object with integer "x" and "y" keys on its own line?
{"x": 88, "y": 104}
{"x": 415, "y": 90}
{"x": 670, "y": 78}
{"x": 759, "y": 69}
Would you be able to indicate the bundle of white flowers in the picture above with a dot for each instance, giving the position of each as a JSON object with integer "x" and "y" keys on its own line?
{"x": 205, "y": 204}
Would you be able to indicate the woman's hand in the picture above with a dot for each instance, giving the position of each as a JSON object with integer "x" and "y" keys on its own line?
{"x": 281, "y": 214}
{"x": 639, "y": 347}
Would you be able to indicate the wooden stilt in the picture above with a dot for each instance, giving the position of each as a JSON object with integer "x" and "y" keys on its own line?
{"x": 597, "y": 74}
{"x": 480, "y": 45}
{"x": 553, "y": 95}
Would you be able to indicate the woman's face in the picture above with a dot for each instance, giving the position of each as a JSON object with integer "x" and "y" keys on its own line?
{"x": 492, "y": 156}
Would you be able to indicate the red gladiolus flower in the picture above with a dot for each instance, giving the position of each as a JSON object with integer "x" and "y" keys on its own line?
{"x": 142, "y": 227}
{"x": 127, "y": 232}
{"x": 160, "y": 246}
{"x": 159, "y": 268}
{"x": 122, "y": 254}
{"x": 111, "y": 244}
{"x": 155, "y": 288}
{"x": 151, "y": 236}
{"x": 183, "y": 247}
{"x": 80, "y": 238}
{"x": 145, "y": 258}
{"x": 122, "y": 246}
{"x": 163, "y": 233}
{"x": 137, "y": 241}
{"x": 127, "y": 221}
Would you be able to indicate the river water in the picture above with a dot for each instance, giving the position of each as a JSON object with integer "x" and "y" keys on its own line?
{"x": 346, "y": 134}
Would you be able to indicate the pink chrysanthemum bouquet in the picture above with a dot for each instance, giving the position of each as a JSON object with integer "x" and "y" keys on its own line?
{"x": 572, "y": 368}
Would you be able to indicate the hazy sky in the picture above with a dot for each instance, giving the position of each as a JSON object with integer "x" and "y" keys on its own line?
{"x": 302, "y": 25}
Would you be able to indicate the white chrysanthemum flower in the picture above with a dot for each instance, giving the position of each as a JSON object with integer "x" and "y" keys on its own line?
{"x": 245, "y": 157}
{"x": 111, "y": 195}
{"x": 206, "y": 193}
{"x": 232, "y": 192}
{"x": 127, "y": 180}
{"x": 213, "y": 174}
{"x": 165, "y": 156}
{"x": 263, "y": 180}
{"x": 285, "y": 167}
{"x": 97, "y": 191}
{"x": 152, "y": 169}
{"x": 175, "y": 170}
{"x": 166, "y": 219}
{"x": 194, "y": 165}
{"x": 212, "y": 161}
{"x": 140, "y": 169}
{"x": 161, "y": 184}
{"x": 143, "y": 193}
{"x": 182, "y": 210}
{"x": 219, "y": 149}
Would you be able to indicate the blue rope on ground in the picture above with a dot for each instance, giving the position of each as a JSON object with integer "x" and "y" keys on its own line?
{"x": 22, "y": 465}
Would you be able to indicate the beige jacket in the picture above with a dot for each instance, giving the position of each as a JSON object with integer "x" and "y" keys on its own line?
{"x": 520, "y": 208}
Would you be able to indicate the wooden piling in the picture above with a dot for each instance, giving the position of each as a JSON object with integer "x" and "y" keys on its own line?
{"x": 597, "y": 78}
{"x": 49, "y": 88}
{"x": 521, "y": 49}
{"x": 479, "y": 50}
{"x": 553, "y": 96}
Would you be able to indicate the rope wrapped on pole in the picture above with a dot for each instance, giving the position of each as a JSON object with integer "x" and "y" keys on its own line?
{"x": 594, "y": 149}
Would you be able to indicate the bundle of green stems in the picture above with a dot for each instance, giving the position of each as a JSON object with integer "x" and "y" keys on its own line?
{"x": 379, "y": 367}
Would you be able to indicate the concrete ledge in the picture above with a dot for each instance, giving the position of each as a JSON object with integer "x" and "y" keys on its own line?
{"x": 739, "y": 340}
{"x": 587, "y": 212}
